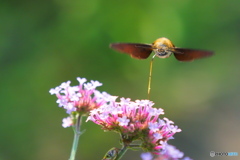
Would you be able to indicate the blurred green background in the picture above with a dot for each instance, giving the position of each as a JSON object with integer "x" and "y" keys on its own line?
{"x": 44, "y": 43}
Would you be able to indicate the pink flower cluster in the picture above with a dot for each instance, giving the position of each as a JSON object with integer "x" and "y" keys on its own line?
{"x": 79, "y": 99}
{"x": 136, "y": 120}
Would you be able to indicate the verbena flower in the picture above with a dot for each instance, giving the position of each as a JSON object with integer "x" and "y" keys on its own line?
{"x": 136, "y": 120}
{"x": 169, "y": 152}
{"x": 80, "y": 99}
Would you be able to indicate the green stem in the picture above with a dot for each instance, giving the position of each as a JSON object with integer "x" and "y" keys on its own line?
{"x": 122, "y": 152}
{"x": 135, "y": 146}
{"x": 77, "y": 134}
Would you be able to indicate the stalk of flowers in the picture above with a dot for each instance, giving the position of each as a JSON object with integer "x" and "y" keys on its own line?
{"x": 170, "y": 152}
{"x": 136, "y": 120}
{"x": 80, "y": 99}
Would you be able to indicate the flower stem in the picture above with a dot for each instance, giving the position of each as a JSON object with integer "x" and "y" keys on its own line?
{"x": 77, "y": 134}
{"x": 122, "y": 152}
{"x": 135, "y": 145}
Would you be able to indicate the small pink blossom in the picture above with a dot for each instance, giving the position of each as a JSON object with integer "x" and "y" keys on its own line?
{"x": 67, "y": 122}
{"x": 123, "y": 121}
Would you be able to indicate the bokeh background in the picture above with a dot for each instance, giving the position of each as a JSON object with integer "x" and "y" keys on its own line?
{"x": 44, "y": 43}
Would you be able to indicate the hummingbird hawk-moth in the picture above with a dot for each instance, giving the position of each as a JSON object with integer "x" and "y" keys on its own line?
{"x": 162, "y": 48}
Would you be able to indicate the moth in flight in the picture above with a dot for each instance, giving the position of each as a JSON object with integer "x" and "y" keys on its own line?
{"x": 162, "y": 48}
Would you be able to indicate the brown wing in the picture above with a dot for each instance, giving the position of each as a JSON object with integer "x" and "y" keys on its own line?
{"x": 183, "y": 54}
{"x": 136, "y": 50}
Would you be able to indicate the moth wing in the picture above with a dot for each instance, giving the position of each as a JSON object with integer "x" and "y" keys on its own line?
{"x": 184, "y": 54}
{"x": 135, "y": 50}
